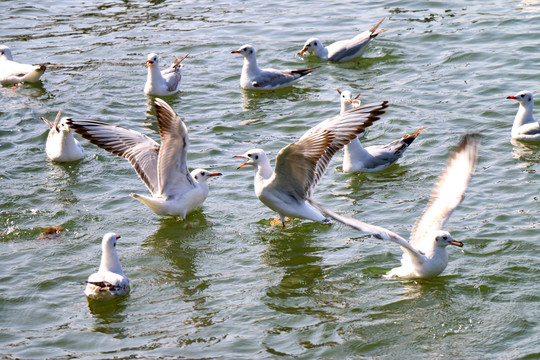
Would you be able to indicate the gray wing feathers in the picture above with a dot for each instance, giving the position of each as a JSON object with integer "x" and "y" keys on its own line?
{"x": 449, "y": 190}
{"x": 300, "y": 165}
{"x": 173, "y": 173}
{"x": 376, "y": 231}
{"x": 141, "y": 151}
{"x": 343, "y": 128}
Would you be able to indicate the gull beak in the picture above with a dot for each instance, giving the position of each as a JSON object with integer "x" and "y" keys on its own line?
{"x": 302, "y": 51}
{"x": 215, "y": 174}
{"x": 235, "y": 52}
{"x": 511, "y": 97}
{"x": 118, "y": 236}
{"x": 349, "y": 100}
{"x": 149, "y": 63}
{"x": 456, "y": 243}
{"x": 242, "y": 157}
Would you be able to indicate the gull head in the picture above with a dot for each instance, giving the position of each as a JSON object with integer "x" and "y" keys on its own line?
{"x": 312, "y": 45}
{"x": 5, "y": 53}
{"x": 152, "y": 59}
{"x": 443, "y": 239}
{"x": 63, "y": 125}
{"x": 247, "y": 51}
{"x": 525, "y": 98}
{"x": 347, "y": 101}
{"x": 253, "y": 157}
{"x": 109, "y": 242}
{"x": 202, "y": 175}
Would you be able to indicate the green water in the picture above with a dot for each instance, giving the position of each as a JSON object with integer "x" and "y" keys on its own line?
{"x": 228, "y": 285}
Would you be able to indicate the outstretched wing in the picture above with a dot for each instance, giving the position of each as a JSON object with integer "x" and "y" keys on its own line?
{"x": 449, "y": 190}
{"x": 173, "y": 173}
{"x": 141, "y": 151}
{"x": 300, "y": 165}
{"x": 377, "y": 231}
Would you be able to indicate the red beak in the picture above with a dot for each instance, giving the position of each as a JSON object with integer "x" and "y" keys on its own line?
{"x": 302, "y": 51}
{"x": 149, "y": 62}
{"x": 511, "y": 97}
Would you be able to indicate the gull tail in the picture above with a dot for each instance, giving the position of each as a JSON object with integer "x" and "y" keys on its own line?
{"x": 374, "y": 32}
{"x": 408, "y": 139}
{"x": 304, "y": 72}
{"x": 177, "y": 62}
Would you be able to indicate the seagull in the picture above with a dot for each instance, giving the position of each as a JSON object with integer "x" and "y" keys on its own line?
{"x": 525, "y": 127}
{"x": 166, "y": 82}
{"x": 425, "y": 255}
{"x": 342, "y": 50}
{"x": 162, "y": 168}
{"x": 255, "y": 78}
{"x": 372, "y": 158}
{"x": 300, "y": 165}
{"x": 12, "y": 72}
{"x": 109, "y": 281}
{"x": 61, "y": 146}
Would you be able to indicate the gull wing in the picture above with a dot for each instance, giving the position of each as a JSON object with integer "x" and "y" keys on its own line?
{"x": 376, "y": 231}
{"x": 344, "y": 128}
{"x": 449, "y": 190}
{"x": 300, "y": 165}
{"x": 141, "y": 151}
{"x": 344, "y": 49}
{"x": 173, "y": 173}
{"x": 274, "y": 78}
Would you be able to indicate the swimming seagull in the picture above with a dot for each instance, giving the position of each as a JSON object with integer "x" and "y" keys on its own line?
{"x": 372, "y": 158}
{"x": 255, "y": 78}
{"x": 300, "y": 165}
{"x": 425, "y": 255}
{"x": 162, "y": 168}
{"x": 525, "y": 127}
{"x": 344, "y": 49}
{"x": 12, "y": 72}
{"x": 166, "y": 82}
{"x": 110, "y": 280}
{"x": 61, "y": 146}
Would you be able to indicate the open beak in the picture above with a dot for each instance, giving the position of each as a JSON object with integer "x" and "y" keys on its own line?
{"x": 235, "y": 52}
{"x": 242, "y": 157}
{"x": 149, "y": 63}
{"x": 302, "y": 51}
{"x": 215, "y": 174}
{"x": 456, "y": 243}
{"x": 511, "y": 97}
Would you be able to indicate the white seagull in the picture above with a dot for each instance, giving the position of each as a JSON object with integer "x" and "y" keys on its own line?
{"x": 110, "y": 280}
{"x": 166, "y": 82}
{"x": 372, "y": 158}
{"x": 425, "y": 255}
{"x": 255, "y": 78}
{"x": 61, "y": 146}
{"x": 525, "y": 127}
{"x": 12, "y": 72}
{"x": 300, "y": 165}
{"x": 342, "y": 50}
{"x": 162, "y": 168}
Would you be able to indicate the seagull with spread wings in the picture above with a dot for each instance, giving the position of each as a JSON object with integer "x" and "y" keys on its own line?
{"x": 300, "y": 165}
{"x": 425, "y": 255}
{"x": 162, "y": 168}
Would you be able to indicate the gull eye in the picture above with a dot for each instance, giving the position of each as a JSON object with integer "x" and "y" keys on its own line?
{"x": 203, "y": 173}
{"x": 445, "y": 237}
{"x": 114, "y": 244}
{"x": 256, "y": 157}
{"x": 249, "y": 155}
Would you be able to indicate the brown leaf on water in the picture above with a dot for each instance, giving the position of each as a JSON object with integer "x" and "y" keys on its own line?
{"x": 51, "y": 232}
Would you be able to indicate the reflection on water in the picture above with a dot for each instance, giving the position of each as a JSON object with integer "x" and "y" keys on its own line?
{"x": 109, "y": 315}
{"x": 527, "y": 153}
